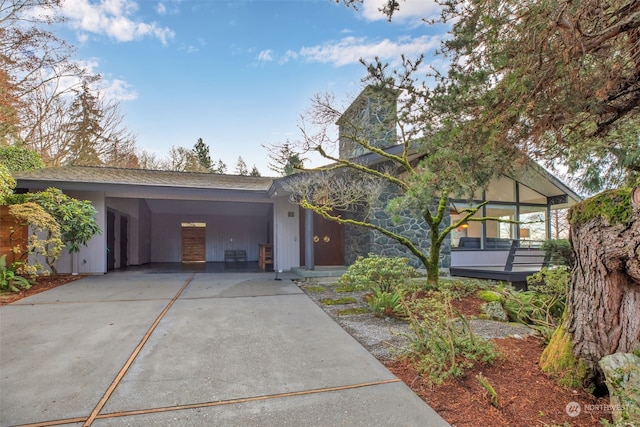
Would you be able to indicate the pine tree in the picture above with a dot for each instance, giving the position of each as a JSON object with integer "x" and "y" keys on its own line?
{"x": 85, "y": 127}
{"x": 201, "y": 151}
{"x": 241, "y": 167}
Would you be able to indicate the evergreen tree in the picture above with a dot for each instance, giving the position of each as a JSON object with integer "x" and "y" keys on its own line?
{"x": 241, "y": 167}
{"x": 221, "y": 167}
{"x": 202, "y": 153}
{"x": 254, "y": 171}
{"x": 85, "y": 126}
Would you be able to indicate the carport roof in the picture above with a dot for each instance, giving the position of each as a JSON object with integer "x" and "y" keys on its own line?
{"x": 142, "y": 177}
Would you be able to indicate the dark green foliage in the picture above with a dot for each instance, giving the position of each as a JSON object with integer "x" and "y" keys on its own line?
{"x": 85, "y": 124}
{"x": 559, "y": 252}
{"x": 543, "y": 304}
{"x": 201, "y": 151}
{"x": 254, "y": 171}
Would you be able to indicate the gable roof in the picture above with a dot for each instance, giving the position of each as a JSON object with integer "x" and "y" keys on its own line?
{"x": 96, "y": 177}
{"x": 530, "y": 174}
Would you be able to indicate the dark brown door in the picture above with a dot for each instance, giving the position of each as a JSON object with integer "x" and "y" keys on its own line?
{"x": 327, "y": 241}
{"x": 194, "y": 244}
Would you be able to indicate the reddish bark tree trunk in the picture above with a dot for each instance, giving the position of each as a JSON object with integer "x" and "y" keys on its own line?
{"x": 604, "y": 301}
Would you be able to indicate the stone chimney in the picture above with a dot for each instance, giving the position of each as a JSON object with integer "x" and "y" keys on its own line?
{"x": 371, "y": 117}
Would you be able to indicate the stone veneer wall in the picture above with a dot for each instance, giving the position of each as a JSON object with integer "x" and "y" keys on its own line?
{"x": 357, "y": 240}
{"x": 360, "y": 241}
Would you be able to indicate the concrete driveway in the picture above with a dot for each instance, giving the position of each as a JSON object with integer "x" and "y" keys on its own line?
{"x": 182, "y": 349}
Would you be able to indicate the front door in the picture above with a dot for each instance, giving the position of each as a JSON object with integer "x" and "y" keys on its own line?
{"x": 327, "y": 241}
{"x": 194, "y": 242}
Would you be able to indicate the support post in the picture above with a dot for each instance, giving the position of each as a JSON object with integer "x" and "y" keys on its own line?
{"x": 308, "y": 240}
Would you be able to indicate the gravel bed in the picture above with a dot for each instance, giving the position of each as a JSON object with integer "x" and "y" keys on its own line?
{"x": 385, "y": 337}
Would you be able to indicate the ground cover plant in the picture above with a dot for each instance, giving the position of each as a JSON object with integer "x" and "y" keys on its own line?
{"x": 491, "y": 377}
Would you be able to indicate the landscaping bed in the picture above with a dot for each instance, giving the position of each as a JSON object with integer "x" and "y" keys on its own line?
{"x": 525, "y": 395}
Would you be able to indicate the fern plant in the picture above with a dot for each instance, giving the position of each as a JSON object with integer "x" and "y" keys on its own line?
{"x": 387, "y": 303}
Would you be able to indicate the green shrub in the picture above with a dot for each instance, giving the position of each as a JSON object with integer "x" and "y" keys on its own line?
{"x": 543, "y": 304}
{"x": 460, "y": 288}
{"x": 443, "y": 347}
{"x": 379, "y": 272}
{"x": 559, "y": 252}
{"x": 9, "y": 279}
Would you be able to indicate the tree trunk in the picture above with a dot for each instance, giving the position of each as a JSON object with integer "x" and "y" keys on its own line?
{"x": 604, "y": 300}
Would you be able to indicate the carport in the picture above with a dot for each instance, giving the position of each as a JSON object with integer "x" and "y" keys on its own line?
{"x": 172, "y": 217}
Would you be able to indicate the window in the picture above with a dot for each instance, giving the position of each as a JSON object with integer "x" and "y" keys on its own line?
{"x": 534, "y": 220}
{"x": 528, "y": 195}
{"x": 466, "y": 235}
{"x": 502, "y": 189}
{"x": 530, "y": 209}
{"x": 499, "y": 234}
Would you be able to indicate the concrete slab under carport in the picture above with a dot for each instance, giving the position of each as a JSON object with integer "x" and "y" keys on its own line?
{"x": 257, "y": 348}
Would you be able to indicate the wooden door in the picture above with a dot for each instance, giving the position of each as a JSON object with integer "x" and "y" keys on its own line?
{"x": 328, "y": 245}
{"x": 194, "y": 244}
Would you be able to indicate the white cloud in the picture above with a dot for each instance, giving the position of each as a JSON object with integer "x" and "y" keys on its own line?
{"x": 161, "y": 9}
{"x": 82, "y": 38}
{"x": 290, "y": 55}
{"x": 410, "y": 10}
{"x": 118, "y": 90}
{"x": 112, "y": 89}
{"x": 265, "y": 55}
{"x": 351, "y": 49}
{"x": 114, "y": 19}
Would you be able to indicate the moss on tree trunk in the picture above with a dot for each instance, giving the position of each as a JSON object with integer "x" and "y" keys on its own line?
{"x": 603, "y": 308}
{"x": 558, "y": 359}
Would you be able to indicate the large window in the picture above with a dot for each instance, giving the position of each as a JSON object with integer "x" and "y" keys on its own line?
{"x": 502, "y": 189}
{"x": 520, "y": 212}
{"x": 534, "y": 223}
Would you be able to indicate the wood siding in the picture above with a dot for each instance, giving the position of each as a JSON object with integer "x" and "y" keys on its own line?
{"x": 12, "y": 234}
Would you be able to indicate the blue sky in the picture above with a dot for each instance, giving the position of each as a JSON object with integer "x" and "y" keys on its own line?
{"x": 238, "y": 74}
